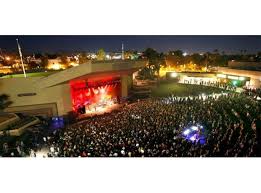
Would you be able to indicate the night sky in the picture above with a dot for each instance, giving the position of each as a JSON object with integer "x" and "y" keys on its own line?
{"x": 190, "y": 44}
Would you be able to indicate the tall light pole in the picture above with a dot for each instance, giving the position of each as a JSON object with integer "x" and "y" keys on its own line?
{"x": 122, "y": 51}
{"x": 21, "y": 57}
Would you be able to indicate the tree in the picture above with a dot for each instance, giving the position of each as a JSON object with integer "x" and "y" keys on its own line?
{"x": 44, "y": 61}
{"x": 64, "y": 59}
{"x": 32, "y": 65}
{"x": 83, "y": 58}
{"x": 160, "y": 63}
{"x": 38, "y": 55}
{"x": 178, "y": 53}
{"x": 155, "y": 61}
{"x": 145, "y": 73}
{"x": 52, "y": 56}
{"x": 101, "y": 54}
{"x": 222, "y": 60}
{"x": 216, "y": 51}
{"x": 152, "y": 57}
{"x": 207, "y": 59}
{"x": 197, "y": 59}
{"x": 4, "y": 101}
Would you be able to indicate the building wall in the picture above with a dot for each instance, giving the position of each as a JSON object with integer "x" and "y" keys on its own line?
{"x": 13, "y": 118}
{"x": 255, "y": 83}
{"x": 94, "y": 67}
{"x": 50, "y": 101}
{"x": 255, "y": 76}
{"x": 56, "y": 98}
{"x": 51, "y": 94}
{"x": 124, "y": 86}
{"x": 244, "y": 65}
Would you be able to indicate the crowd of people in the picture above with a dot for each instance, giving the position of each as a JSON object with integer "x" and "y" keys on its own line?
{"x": 254, "y": 92}
{"x": 216, "y": 84}
{"x": 25, "y": 145}
{"x": 153, "y": 128}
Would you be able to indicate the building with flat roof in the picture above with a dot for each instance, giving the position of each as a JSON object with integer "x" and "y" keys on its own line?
{"x": 60, "y": 93}
{"x": 253, "y": 77}
{"x": 235, "y": 77}
{"x": 256, "y": 66}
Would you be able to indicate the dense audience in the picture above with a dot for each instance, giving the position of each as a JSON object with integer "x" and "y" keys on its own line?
{"x": 153, "y": 128}
{"x": 25, "y": 145}
{"x": 254, "y": 92}
{"x": 216, "y": 84}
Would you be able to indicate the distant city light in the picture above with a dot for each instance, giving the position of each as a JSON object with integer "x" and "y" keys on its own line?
{"x": 55, "y": 66}
{"x": 185, "y": 54}
{"x": 7, "y": 58}
{"x": 74, "y": 64}
{"x": 108, "y": 57}
{"x": 173, "y": 74}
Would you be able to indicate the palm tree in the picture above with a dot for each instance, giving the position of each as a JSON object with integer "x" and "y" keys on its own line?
{"x": 4, "y": 101}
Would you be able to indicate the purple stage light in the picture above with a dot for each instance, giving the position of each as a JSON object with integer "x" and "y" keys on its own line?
{"x": 194, "y": 133}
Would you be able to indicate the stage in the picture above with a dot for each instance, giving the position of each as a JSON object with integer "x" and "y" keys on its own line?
{"x": 100, "y": 111}
{"x": 95, "y": 97}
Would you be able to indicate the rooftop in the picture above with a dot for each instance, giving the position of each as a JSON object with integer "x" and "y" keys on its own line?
{"x": 4, "y": 117}
{"x": 32, "y": 74}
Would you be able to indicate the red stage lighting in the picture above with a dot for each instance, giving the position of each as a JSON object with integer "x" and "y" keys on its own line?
{"x": 89, "y": 92}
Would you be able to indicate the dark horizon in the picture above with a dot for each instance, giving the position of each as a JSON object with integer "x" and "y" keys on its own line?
{"x": 110, "y": 43}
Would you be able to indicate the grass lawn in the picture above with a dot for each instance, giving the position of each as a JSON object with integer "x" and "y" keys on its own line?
{"x": 165, "y": 89}
{"x": 34, "y": 74}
